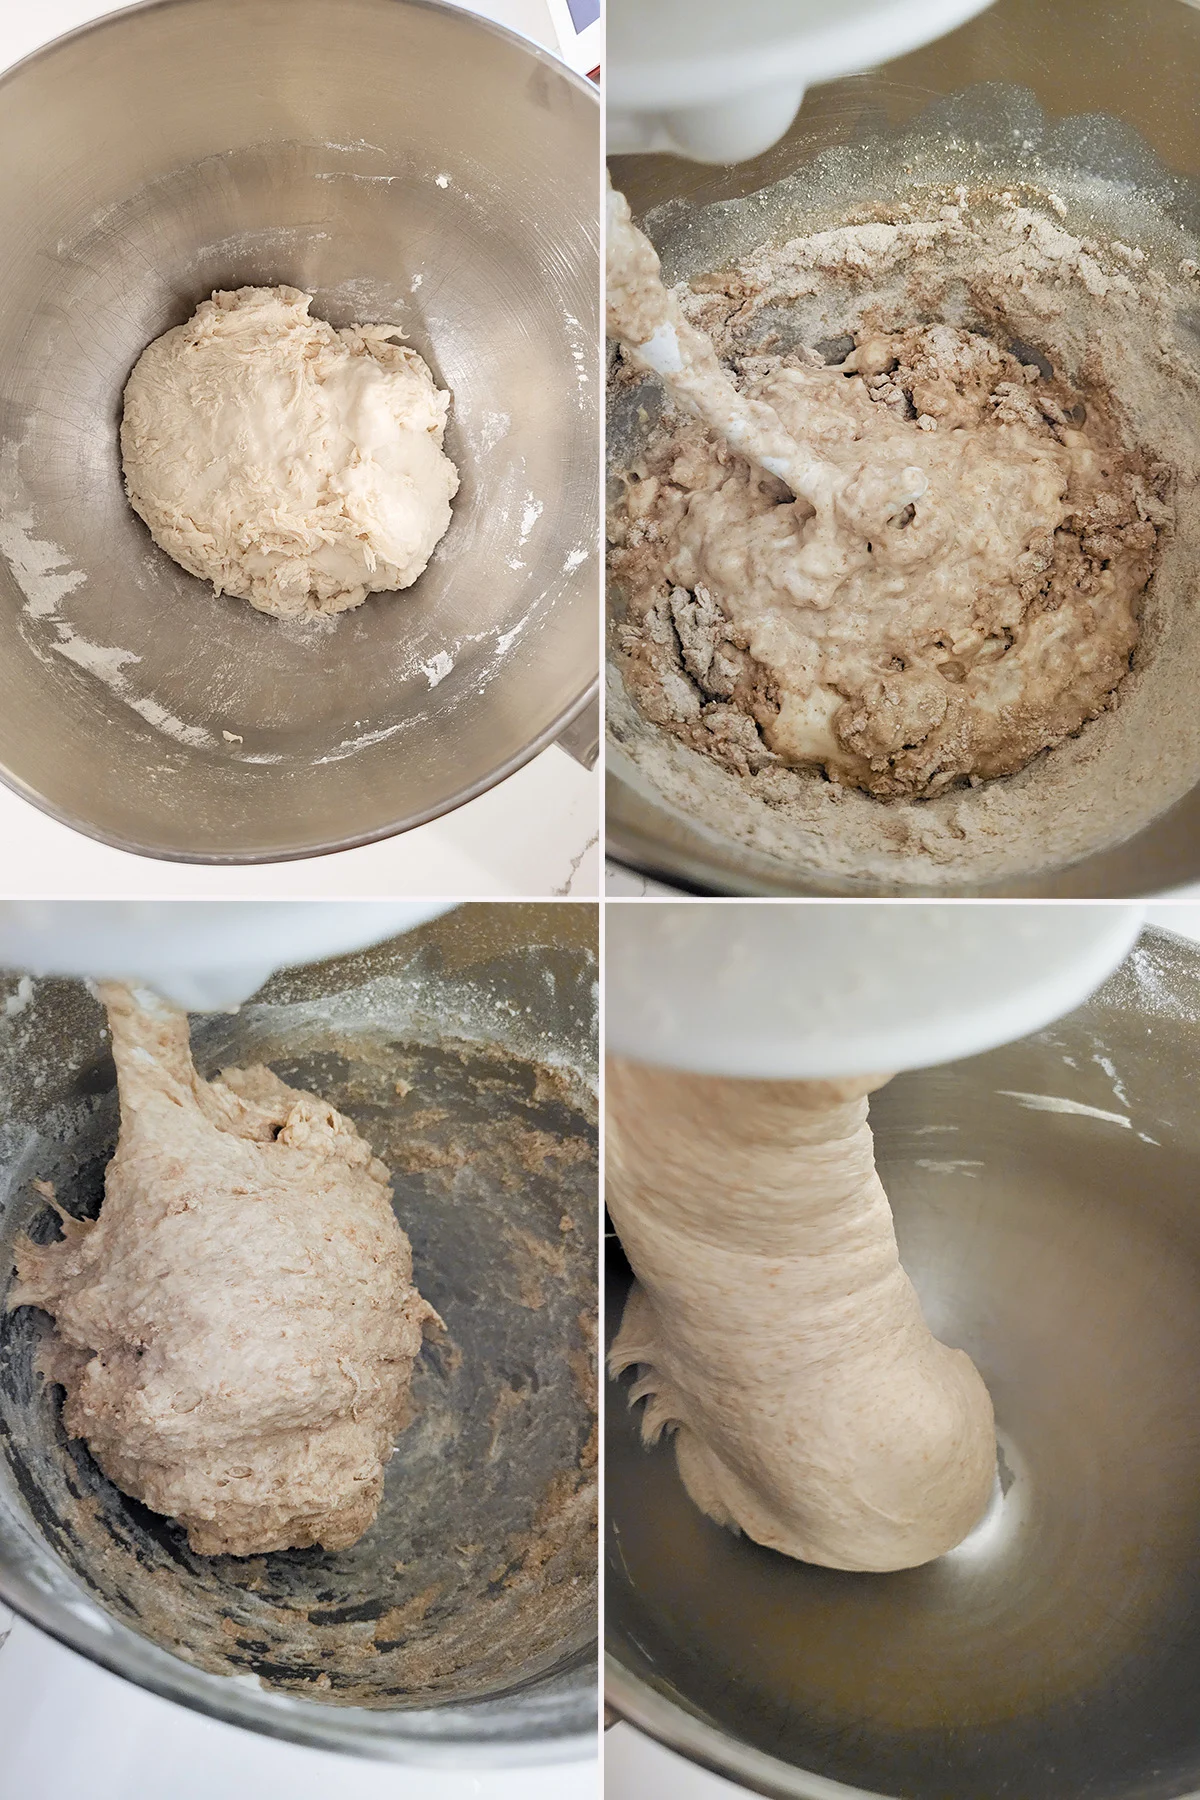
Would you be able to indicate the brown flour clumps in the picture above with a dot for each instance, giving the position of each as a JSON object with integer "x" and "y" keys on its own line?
{"x": 1037, "y": 379}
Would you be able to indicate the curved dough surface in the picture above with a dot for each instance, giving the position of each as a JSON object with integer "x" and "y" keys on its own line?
{"x": 236, "y": 1331}
{"x": 779, "y": 1338}
{"x": 296, "y": 466}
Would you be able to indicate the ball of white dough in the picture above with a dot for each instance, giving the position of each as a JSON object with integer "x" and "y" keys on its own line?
{"x": 296, "y": 466}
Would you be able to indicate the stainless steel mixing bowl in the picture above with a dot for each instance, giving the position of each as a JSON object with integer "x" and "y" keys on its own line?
{"x": 1128, "y": 71}
{"x": 402, "y": 161}
{"x": 460, "y": 1630}
{"x": 1046, "y": 1201}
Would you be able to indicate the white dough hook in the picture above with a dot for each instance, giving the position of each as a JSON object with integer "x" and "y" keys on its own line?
{"x": 205, "y": 956}
{"x": 719, "y": 83}
{"x": 810, "y": 989}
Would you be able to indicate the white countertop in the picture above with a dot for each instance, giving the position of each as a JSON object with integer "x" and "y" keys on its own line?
{"x": 536, "y": 834}
{"x": 624, "y": 883}
{"x": 636, "y": 1768}
{"x": 71, "y": 1731}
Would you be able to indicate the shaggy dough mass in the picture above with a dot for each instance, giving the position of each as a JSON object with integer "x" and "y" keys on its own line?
{"x": 236, "y": 1331}
{"x": 656, "y": 334}
{"x": 296, "y": 466}
{"x": 780, "y": 1339}
{"x": 822, "y": 621}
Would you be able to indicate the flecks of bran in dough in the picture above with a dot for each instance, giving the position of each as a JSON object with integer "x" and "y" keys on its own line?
{"x": 1111, "y": 314}
{"x": 472, "y": 1633}
{"x": 393, "y": 1627}
{"x": 914, "y": 716}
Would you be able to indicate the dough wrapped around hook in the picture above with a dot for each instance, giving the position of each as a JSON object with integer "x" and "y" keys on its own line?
{"x": 236, "y": 1332}
{"x": 777, "y": 1334}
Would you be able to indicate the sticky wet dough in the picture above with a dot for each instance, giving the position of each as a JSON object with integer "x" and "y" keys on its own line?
{"x": 236, "y": 1332}
{"x": 775, "y": 1332}
{"x": 900, "y": 651}
{"x": 292, "y": 465}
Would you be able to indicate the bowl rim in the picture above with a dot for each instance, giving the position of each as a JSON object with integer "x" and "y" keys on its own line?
{"x": 643, "y": 1707}
{"x": 566, "y": 715}
{"x": 689, "y": 855}
{"x": 354, "y": 840}
{"x": 308, "y": 1722}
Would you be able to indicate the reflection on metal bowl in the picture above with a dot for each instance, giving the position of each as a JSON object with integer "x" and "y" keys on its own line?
{"x": 1045, "y": 1200}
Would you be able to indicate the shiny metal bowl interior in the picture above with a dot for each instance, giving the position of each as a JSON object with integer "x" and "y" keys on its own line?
{"x": 461, "y": 1628}
{"x": 1057, "y": 1652}
{"x": 1132, "y": 62}
{"x": 403, "y": 161}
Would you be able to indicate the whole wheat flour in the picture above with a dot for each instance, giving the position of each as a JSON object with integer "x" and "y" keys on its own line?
{"x": 854, "y": 679}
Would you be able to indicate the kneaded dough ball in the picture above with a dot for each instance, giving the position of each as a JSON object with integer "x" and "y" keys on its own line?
{"x": 298, "y": 467}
